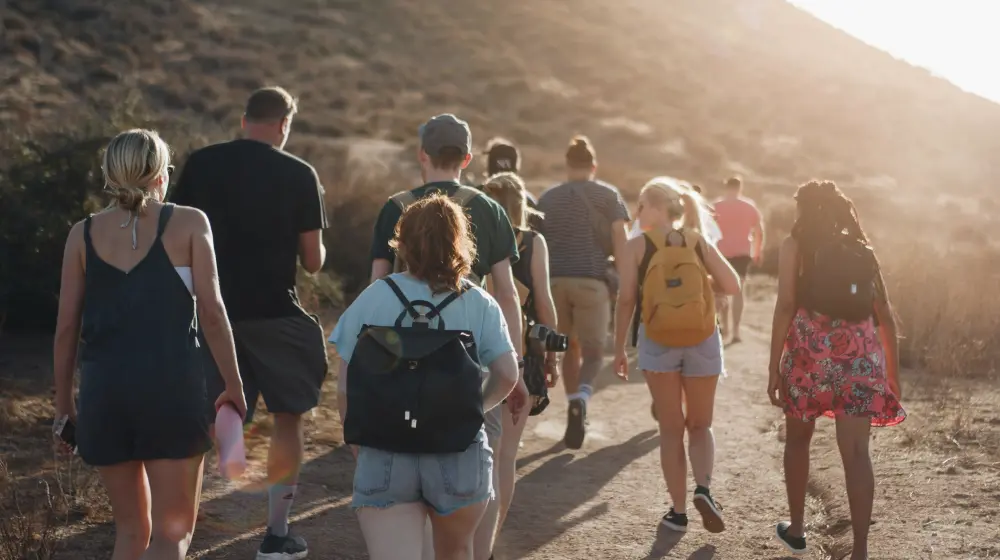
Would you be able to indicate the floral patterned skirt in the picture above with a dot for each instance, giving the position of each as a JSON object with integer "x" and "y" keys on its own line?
{"x": 837, "y": 369}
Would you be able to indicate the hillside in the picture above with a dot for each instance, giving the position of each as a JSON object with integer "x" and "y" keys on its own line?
{"x": 687, "y": 87}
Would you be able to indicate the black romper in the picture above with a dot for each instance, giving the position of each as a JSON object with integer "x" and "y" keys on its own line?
{"x": 142, "y": 390}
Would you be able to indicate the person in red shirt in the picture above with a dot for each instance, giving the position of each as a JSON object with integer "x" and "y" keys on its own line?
{"x": 742, "y": 243}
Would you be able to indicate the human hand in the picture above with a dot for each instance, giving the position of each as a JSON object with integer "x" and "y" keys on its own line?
{"x": 517, "y": 400}
{"x": 58, "y": 425}
{"x": 775, "y": 388}
{"x": 233, "y": 394}
{"x": 551, "y": 369}
{"x": 621, "y": 364}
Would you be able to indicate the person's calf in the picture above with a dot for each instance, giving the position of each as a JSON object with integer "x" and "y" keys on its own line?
{"x": 131, "y": 539}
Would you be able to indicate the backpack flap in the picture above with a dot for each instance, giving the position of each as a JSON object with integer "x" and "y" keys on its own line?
{"x": 413, "y": 343}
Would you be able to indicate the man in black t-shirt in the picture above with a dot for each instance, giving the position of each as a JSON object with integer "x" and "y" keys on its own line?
{"x": 266, "y": 210}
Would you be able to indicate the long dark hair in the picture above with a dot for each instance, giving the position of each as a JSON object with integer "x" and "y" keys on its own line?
{"x": 824, "y": 212}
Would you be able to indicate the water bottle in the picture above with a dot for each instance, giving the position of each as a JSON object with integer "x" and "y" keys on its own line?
{"x": 229, "y": 433}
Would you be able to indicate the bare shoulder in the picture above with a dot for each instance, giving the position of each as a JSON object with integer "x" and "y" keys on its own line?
{"x": 75, "y": 236}
{"x": 190, "y": 218}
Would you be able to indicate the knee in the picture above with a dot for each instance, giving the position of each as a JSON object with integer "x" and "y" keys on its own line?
{"x": 135, "y": 531}
{"x": 798, "y": 438}
{"x": 854, "y": 450}
{"x": 671, "y": 431}
{"x": 698, "y": 426}
{"x": 593, "y": 352}
{"x": 174, "y": 531}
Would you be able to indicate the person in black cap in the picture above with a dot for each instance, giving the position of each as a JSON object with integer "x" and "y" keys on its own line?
{"x": 502, "y": 156}
{"x": 445, "y": 150}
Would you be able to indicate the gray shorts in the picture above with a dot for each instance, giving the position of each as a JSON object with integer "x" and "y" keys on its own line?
{"x": 282, "y": 360}
{"x": 702, "y": 360}
{"x": 444, "y": 481}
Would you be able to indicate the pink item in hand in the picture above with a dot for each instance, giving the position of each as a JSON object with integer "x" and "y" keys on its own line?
{"x": 229, "y": 433}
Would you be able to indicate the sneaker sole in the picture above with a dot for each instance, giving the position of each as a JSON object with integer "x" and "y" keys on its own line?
{"x": 674, "y": 527}
{"x": 575, "y": 429}
{"x": 282, "y": 555}
{"x": 795, "y": 551}
{"x": 710, "y": 516}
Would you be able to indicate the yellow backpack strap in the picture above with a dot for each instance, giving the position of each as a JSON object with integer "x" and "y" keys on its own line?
{"x": 403, "y": 200}
{"x": 465, "y": 194}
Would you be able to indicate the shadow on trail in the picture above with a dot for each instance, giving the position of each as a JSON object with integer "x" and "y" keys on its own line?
{"x": 544, "y": 505}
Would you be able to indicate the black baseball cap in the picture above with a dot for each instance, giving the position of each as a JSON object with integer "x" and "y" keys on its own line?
{"x": 501, "y": 156}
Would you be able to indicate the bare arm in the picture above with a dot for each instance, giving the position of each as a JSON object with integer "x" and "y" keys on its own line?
{"x": 619, "y": 238}
{"x": 312, "y": 252}
{"x": 628, "y": 290}
{"x": 889, "y": 335}
{"x": 67, "y": 335}
{"x": 501, "y": 380}
{"x": 758, "y": 239}
{"x": 211, "y": 309}
{"x": 785, "y": 308}
{"x": 502, "y": 283}
{"x": 342, "y": 391}
{"x": 545, "y": 307}
{"x": 724, "y": 278}
{"x": 380, "y": 269}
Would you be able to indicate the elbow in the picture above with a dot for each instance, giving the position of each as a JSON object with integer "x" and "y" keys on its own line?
{"x": 212, "y": 315}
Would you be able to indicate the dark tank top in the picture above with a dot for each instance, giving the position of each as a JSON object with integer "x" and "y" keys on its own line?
{"x": 138, "y": 332}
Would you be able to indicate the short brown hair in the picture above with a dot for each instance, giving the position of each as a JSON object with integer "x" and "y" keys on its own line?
{"x": 734, "y": 182}
{"x": 448, "y": 158}
{"x": 270, "y": 104}
{"x": 580, "y": 154}
{"x": 435, "y": 241}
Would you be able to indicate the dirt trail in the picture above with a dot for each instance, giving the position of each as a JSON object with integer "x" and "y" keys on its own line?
{"x": 605, "y": 500}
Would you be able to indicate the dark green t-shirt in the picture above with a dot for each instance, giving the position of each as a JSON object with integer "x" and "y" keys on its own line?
{"x": 494, "y": 235}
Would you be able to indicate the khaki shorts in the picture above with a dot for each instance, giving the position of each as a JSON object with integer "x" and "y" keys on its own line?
{"x": 583, "y": 307}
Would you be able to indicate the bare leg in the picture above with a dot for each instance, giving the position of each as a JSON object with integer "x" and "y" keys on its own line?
{"x": 700, "y": 395}
{"x": 737, "y": 313}
{"x": 128, "y": 492}
{"x": 486, "y": 533}
{"x": 507, "y": 461}
{"x": 453, "y": 533}
{"x": 390, "y": 533}
{"x": 852, "y": 438}
{"x": 667, "y": 395}
{"x": 284, "y": 459}
{"x": 798, "y": 436}
{"x": 175, "y": 488}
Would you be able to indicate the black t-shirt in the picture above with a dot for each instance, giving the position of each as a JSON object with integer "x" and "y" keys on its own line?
{"x": 258, "y": 200}
{"x": 490, "y": 226}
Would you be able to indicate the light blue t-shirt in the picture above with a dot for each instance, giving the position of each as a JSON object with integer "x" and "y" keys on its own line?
{"x": 474, "y": 311}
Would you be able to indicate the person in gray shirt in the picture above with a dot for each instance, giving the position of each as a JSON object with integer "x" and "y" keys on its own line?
{"x": 578, "y": 261}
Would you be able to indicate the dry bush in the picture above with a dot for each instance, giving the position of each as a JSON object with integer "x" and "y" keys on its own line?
{"x": 29, "y": 519}
{"x": 948, "y": 304}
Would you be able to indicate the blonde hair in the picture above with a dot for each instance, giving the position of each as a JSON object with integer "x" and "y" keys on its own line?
{"x": 678, "y": 200}
{"x": 509, "y": 191}
{"x": 132, "y": 161}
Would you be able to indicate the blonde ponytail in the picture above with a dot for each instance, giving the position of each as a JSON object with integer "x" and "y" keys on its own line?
{"x": 693, "y": 212}
{"x": 132, "y": 161}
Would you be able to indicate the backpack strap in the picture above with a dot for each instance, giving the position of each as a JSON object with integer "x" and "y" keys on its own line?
{"x": 403, "y": 199}
{"x": 410, "y": 307}
{"x": 464, "y": 195}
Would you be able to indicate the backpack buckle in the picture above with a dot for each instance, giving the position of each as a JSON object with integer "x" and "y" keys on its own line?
{"x": 413, "y": 365}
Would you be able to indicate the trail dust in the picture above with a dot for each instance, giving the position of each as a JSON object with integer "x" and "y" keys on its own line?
{"x": 605, "y": 500}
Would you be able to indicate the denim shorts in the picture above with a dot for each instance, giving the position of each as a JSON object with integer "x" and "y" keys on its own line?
{"x": 701, "y": 360}
{"x": 446, "y": 482}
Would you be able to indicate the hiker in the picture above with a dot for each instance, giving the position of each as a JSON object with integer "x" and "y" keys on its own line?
{"x": 834, "y": 351}
{"x": 584, "y": 225}
{"x": 668, "y": 275}
{"x": 129, "y": 280}
{"x": 266, "y": 209}
{"x": 443, "y": 472}
{"x": 531, "y": 276}
{"x": 502, "y": 157}
{"x": 742, "y": 243}
{"x": 445, "y": 150}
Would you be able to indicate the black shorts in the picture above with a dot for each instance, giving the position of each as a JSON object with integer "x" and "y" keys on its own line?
{"x": 282, "y": 360}
{"x": 741, "y": 265}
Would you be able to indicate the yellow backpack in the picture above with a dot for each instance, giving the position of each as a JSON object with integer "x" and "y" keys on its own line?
{"x": 678, "y": 306}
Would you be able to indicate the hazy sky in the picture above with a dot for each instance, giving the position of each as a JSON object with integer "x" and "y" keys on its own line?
{"x": 955, "y": 39}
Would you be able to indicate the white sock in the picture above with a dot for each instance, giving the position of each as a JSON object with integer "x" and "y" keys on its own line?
{"x": 585, "y": 392}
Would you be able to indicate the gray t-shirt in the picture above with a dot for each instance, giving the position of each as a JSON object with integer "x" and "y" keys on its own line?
{"x": 574, "y": 250}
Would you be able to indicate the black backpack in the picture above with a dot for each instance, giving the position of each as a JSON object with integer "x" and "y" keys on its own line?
{"x": 414, "y": 389}
{"x": 839, "y": 279}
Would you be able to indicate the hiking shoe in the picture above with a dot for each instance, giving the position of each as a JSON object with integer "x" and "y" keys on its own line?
{"x": 795, "y": 545}
{"x": 711, "y": 512}
{"x": 675, "y": 521}
{"x": 288, "y": 547}
{"x": 576, "y": 424}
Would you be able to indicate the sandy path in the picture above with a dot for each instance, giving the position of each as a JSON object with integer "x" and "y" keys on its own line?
{"x": 605, "y": 500}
